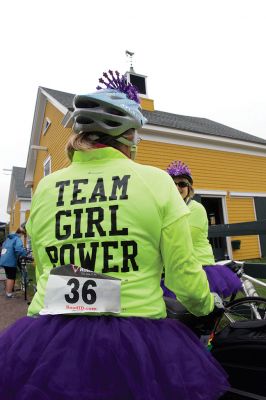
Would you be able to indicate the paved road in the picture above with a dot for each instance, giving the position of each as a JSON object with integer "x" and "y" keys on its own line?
{"x": 11, "y": 309}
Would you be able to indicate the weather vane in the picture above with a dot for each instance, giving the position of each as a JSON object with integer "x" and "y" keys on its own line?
{"x": 130, "y": 55}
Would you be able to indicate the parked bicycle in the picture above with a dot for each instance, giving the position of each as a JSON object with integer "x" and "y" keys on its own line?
{"x": 24, "y": 280}
{"x": 236, "y": 336}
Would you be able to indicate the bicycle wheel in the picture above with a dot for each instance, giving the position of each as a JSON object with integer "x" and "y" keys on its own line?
{"x": 246, "y": 309}
{"x": 23, "y": 281}
{"x": 25, "y": 277}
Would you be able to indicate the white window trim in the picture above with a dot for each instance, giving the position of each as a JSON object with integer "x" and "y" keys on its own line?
{"x": 250, "y": 195}
{"x": 214, "y": 193}
{"x": 47, "y": 123}
{"x": 247, "y": 194}
{"x": 142, "y": 76}
{"x": 226, "y": 221}
{"x": 46, "y": 161}
{"x": 220, "y": 194}
{"x": 255, "y": 214}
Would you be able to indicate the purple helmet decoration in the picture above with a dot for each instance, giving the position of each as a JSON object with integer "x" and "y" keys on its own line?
{"x": 110, "y": 111}
{"x": 178, "y": 168}
{"x": 119, "y": 83}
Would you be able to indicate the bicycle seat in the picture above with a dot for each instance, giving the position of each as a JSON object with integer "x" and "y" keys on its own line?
{"x": 200, "y": 325}
{"x": 174, "y": 309}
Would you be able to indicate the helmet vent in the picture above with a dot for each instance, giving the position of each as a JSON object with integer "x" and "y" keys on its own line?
{"x": 113, "y": 124}
{"x": 85, "y": 103}
{"x": 115, "y": 111}
{"x": 84, "y": 120}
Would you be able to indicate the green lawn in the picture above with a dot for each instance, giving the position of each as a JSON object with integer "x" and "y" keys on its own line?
{"x": 257, "y": 260}
{"x": 32, "y": 280}
{"x": 260, "y": 289}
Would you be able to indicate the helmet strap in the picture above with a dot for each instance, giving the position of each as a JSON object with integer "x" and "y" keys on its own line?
{"x": 133, "y": 152}
{"x": 131, "y": 144}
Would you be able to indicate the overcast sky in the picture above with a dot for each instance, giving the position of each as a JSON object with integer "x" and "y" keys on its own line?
{"x": 203, "y": 58}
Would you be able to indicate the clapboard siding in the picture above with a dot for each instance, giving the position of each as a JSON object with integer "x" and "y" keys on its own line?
{"x": 242, "y": 210}
{"x": 55, "y": 140}
{"x": 16, "y": 220}
{"x": 211, "y": 169}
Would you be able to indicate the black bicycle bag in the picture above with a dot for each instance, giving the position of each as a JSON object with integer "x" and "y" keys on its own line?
{"x": 240, "y": 348}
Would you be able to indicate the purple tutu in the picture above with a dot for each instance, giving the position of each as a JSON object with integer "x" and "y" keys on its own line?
{"x": 222, "y": 280}
{"x": 105, "y": 358}
{"x": 166, "y": 291}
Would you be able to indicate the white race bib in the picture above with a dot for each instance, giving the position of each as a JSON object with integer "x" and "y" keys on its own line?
{"x": 72, "y": 290}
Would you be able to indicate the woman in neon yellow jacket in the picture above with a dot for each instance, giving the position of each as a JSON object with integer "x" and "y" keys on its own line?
{"x": 101, "y": 233}
{"x": 221, "y": 279}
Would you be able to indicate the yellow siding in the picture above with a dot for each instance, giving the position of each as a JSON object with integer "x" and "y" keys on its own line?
{"x": 147, "y": 104}
{"x": 27, "y": 214}
{"x": 211, "y": 169}
{"x": 16, "y": 221}
{"x": 242, "y": 210}
{"x": 217, "y": 170}
{"x": 55, "y": 140}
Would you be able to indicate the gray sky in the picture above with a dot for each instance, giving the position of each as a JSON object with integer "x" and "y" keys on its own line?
{"x": 204, "y": 58}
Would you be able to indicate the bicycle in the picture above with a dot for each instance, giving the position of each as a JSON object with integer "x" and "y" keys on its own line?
{"x": 235, "y": 335}
{"x": 24, "y": 280}
{"x": 249, "y": 291}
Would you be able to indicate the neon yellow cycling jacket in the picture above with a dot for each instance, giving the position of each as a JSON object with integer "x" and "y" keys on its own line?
{"x": 114, "y": 216}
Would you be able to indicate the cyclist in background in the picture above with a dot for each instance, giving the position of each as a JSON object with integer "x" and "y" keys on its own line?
{"x": 105, "y": 213}
{"x": 12, "y": 249}
{"x": 221, "y": 279}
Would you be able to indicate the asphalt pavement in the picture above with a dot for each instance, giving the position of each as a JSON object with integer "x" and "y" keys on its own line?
{"x": 11, "y": 309}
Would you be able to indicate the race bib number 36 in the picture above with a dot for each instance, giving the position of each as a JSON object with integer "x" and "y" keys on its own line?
{"x": 72, "y": 290}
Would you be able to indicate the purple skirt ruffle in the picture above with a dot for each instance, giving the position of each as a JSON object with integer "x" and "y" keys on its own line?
{"x": 104, "y": 358}
{"x": 166, "y": 291}
{"x": 221, "y": 281}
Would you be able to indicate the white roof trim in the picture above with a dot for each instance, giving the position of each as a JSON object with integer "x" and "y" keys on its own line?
{"x": 185, "y": 138}
{"x": 55, "y": 102}
{"x": 24, "y": 199}
{"x": 210, "y": 192}
{"x": 247, "y": 194}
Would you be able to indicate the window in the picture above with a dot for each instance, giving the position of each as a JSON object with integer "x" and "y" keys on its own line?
{"x": 47, "y": 166}
{"x": 47, "y": 123}
{"x": 139, "y": 81}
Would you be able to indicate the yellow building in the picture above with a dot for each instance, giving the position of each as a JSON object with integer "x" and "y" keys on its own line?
{"x": 228, "y": 166}
{"x": 19, "y": 199}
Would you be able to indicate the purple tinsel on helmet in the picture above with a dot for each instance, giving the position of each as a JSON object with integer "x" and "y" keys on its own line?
{"x": 177, "y": 168}
{"x": 117, "y": 82}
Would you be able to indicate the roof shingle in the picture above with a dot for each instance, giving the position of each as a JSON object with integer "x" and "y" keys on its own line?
{"x": 18, "y": 175}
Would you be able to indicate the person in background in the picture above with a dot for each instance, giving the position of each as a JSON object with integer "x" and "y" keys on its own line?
{"x": 198, "y": 220}
{"x": 104, "y": 218}
{"x": 12, "y": 249}
{"x": 2, "y": 279}
{"x": 221, "y": 279}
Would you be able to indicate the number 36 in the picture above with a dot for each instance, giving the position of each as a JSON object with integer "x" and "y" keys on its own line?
{"x": 85, "y": 292}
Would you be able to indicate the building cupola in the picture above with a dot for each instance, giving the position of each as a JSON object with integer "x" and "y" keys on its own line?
{"x": 140, "y": 82}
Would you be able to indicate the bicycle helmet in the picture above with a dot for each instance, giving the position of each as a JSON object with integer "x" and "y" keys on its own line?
{"x": 179, "y": 169}
{"x": 110, "y": 111}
